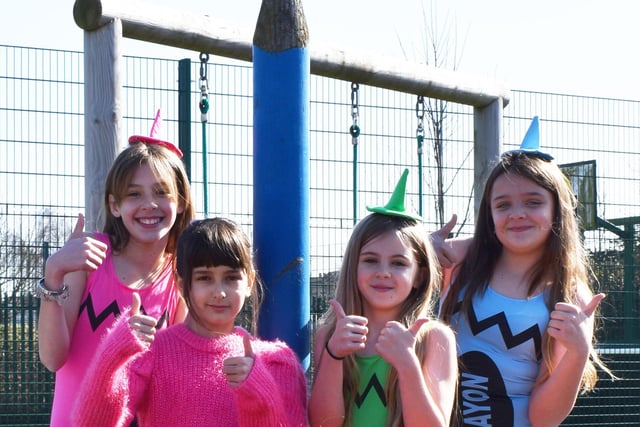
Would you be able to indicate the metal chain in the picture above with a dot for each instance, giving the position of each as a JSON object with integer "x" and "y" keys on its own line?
{"x": 420, "y": 110}
{"x": 354, "y": 130}
{"x": 204, "y": 90}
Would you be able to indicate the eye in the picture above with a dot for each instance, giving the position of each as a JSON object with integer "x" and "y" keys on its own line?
{"x": 133, "y": 193}
{"x": 400, "y": 263}
{"x": 369, "y": 260}
{"x": 201, "y": 277}
{"x": 501, "y": 206}
{"x": 163, "y": 191}
{"x": 534, "y": 202}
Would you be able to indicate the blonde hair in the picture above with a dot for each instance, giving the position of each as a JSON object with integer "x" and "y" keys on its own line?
{"x": 419, "y": 303}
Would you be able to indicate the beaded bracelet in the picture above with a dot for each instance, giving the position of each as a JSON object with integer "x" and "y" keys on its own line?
{"x": 333, "y": 356}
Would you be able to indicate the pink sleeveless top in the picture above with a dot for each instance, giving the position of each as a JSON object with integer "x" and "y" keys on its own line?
{"x": 104, "y": 298}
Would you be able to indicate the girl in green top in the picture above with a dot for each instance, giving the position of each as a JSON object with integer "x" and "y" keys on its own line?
{"x": 380, "y": 357}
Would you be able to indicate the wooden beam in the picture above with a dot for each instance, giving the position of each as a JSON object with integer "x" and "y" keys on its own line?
{"x": 201, "y": 33}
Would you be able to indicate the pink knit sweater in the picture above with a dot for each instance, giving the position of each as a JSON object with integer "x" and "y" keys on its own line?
{"x": 178, "y": 381}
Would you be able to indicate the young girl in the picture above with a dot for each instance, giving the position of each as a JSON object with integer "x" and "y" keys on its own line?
{"x": 520, "y": 300}
{"x": 205, "y": 371}
{"x": 91, "y": 278}
{"x": 380, "y": 360}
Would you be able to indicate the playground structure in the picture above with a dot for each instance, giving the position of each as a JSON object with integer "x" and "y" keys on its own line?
{"x": 576, "y": 127}
{"x": 279, "y": 43}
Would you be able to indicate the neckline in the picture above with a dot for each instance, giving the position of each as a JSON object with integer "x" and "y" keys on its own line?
{"x": 501, "y": 295}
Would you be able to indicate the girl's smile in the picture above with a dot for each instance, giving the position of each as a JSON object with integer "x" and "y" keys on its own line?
{"x": 386, "y": 272}
{"x": 522, "y": 213}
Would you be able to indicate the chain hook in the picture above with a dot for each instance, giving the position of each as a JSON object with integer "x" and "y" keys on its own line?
{"x": 354, "y": 130}
{"x": 204, "y": 89}
{"x": 420, "y": 110}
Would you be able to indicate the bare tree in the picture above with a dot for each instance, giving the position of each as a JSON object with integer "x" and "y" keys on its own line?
{"x": 440, "y": 49}
{"x": 23, "y": 250}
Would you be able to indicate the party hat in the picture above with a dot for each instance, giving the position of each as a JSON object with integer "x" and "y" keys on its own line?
{"x": 152, "y": 138}
{"x": 531, "y": 142}
{"x": 395, "y": 206}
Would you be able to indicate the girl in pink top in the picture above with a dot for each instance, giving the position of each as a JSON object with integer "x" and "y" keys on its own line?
{"x": 206, "y": 371}
{"x": 147, "y": 205}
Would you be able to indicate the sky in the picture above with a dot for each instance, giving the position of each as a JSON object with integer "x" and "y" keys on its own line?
{"x": 579, "y": 47}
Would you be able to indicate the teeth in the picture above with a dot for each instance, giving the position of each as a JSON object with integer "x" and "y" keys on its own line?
{"x": 149, "y": 221}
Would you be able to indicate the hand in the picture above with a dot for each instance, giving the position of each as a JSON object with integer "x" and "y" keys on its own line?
{"x": 143, "y": 326}
{"x": 396, "y": 343}
{"x": 81, "y": 252}
{"x": 237, "y": 369}
{"x": 445, "y": 252}
{"x": 573, "y": 327}
{"x": 350, "y": 334}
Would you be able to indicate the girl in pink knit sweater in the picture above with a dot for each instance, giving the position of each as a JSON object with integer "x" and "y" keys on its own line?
{"x": 206, "y": 371}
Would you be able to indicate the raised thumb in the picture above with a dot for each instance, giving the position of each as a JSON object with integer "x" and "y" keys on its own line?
{"x": 448, "y": 227}
{"x": 78, "y": 228}
{"x": 415, "y": 328}
{"x": 593, "y": 304}
{"x": 135, "y": 304}
{"x": 337, "y": 309}
{"x": 248, "y": 350}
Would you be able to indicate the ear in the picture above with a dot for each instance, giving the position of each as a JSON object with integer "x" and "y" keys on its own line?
{"x": 180, "y": 284}
{"x": 114, "y": 206}
{"x": 421, "y": 276}
{"x": 251, "y": 281}
{"x": 180, "y": 207}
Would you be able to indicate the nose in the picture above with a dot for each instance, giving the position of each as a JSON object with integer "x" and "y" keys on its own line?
{"x": 218, "y": 293}
{"x": 150, "y": 202}
{"x": 383, "y": 271}
{"x": 517, "y": 212}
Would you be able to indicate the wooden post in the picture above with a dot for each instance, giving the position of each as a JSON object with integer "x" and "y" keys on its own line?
{"x": 487, "y": 145}
{"x": 102, "y": 116}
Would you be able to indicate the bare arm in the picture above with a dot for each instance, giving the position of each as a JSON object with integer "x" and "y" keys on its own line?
{"x": 427, "y": 389}
{"x": 572, "y": 329}
{"x": 326, "y": 404}
{"x": 69, "y": 265}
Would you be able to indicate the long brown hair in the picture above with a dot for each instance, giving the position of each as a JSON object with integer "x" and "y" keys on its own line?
{"x": 564, "y": 264}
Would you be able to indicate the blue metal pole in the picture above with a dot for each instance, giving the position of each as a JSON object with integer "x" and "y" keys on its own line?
{"x": 281, "y": 70}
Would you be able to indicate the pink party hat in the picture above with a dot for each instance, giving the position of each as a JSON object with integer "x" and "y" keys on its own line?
{"x": 151, "y": 139}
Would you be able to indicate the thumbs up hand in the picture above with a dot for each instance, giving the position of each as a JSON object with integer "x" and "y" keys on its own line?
{"x": 572, "y": 326}
{"x": 143, "y": 326}
{"x": 237, "y": 369}
{"x": 396, "y": 343}
{"x": 350, "y": 334}
{"x": 81, "y": 252}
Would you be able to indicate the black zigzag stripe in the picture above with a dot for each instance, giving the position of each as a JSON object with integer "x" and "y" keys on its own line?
{"x": 374, "y": 383}
{"x": 96, "y": 321}
{"x": 500, "y": 319}
{"x": 163, "y": 319}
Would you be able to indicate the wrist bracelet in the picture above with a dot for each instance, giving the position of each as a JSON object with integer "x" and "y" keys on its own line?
{"x": 333, "y": 356}
{"x": 46, "y": 294}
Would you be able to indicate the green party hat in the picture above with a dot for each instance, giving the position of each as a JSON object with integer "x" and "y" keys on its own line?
{"x": 395, "y": 207}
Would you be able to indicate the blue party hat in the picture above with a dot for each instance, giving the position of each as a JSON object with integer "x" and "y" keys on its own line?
{"x": 531, "y": 142}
